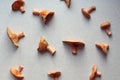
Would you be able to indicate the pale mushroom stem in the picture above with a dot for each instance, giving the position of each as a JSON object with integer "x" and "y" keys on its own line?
{"x": 20, "y": 35}
{"x": 20, "y": 68}
{"x": 22, "y": 9}
{"x": 109, "y": 33}
{"x": 56, "y": 78}
{"x": 92, "y": 8}
{"x": 74, "y": 49}
{"x": 51, "y": 50}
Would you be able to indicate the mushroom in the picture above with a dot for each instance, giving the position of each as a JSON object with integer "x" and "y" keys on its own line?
{"x": 106, "y": 26}
{"x": 44, "y": 46}
{"x": 17, "y": 72}
{"x": 68, "y": 2}
{"x": 94, "y": 73}
{"x": 18, "y": 5}
{"x": 103, "y": 46}
{"x": 86, "y": 12}
{"x": 46, "y": 15}
{"x": 74, "y": 44}
{"x": 14, "y": 37}
{"x": 55, "y": 75}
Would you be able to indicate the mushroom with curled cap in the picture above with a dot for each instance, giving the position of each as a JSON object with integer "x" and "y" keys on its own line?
{"x": 17, "y": 72}
{"x": 55, "y": 75}
{"x": 18, "y": 5}
{"x": 44, "y": 46}
{"x": 74, "y": 44}
{"x": 103, "y": 46}
{"x": 106, "y": 27}
{"x": 68, "y": 2}
{"x": 46, "y": 15}
{"x": 14, "y": 37}
{"x": 86, "y": 12}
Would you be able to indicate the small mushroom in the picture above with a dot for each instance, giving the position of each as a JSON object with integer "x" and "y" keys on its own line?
{"x": 106, "y": 26}
{"x": 14, "y": 37}
{"x": 74, "y": 44}
{"x": 17, "y": 72}
{"x": 68, "y": 2}
{"x": 94, "y": 73}
{"x": 86, "y": 12}
{"x": 46, "y": 15}
{"x": 55, "y": 75}
{"x": 44, "y": 46}
{"x": 103, "y": 46}
{"x": 18, "y": 5}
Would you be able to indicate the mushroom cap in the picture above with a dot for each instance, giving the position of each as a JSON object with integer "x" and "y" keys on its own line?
{"x": 85, "y": 13}
{"x": 43, "y": 44}
{"x": 75, "y": 43}
{"x": 54, "y": 74}
{"x": 13, "y": 37}
{"x": 105, "y": 25}
{"x": 46, "y": 15}
{"x": 16, "y": 73}
{"x": 17, "y": 4}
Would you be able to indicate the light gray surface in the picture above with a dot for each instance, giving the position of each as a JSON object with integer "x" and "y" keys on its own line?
{"x": 66, "y": 24}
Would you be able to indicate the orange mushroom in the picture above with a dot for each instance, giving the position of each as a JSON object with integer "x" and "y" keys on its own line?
{"x": 46, "y": 15}
{"x": 44, "y": 46}
{"x": 55, "y": 75}
{"x": 106, "y": 26}
{"x": 94, "y": 73}
{"x": 18, "y": 5}
{"x": 14, "y": 37}
{"x": 103, "y": 46}
{"x": 17, "y": 72}
{"x": 74, "y": 44}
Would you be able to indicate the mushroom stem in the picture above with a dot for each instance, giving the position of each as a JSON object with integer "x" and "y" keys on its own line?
{"x": 20, "y": 35}
{"x": 36, "y": 12}
{"x": 92, "y": 8}
{"x": 20, "y": 68}
{"x": 56, "y": 78}
{"x": 74, "y": 49}
{"x": 51, "y": 49}
{"x": 109, "y": 33}
{"x": 22, "y": 9}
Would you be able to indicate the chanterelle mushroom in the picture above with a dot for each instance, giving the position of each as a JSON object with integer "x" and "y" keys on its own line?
{"x": 46, "y": 15}
{"x": 44, "y": 46}
{"x": 14, "y": 37}
{"x": 18, "y": 5}
{"x": 55, "y": 75}
{"x": 17, "y": 72}
{"x": 74, "y": 44}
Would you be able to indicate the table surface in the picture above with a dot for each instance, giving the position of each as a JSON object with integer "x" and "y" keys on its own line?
{"x": 67, "y": 23}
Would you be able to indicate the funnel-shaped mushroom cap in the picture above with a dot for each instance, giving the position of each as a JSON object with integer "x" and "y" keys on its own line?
{"x": 16, "y": 73}
{"x": 104, "y": 47}
{"x": 46, "y": 15}
{"x": 54, "y": 74}
{"x": 43, "y": 44}
{"x": 14, "y": 37}
{"x": 85, "y": 13}
{"x": 17, "y": 4}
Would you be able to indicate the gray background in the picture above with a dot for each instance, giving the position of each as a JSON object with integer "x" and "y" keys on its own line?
{"x": 66, "y": 24}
